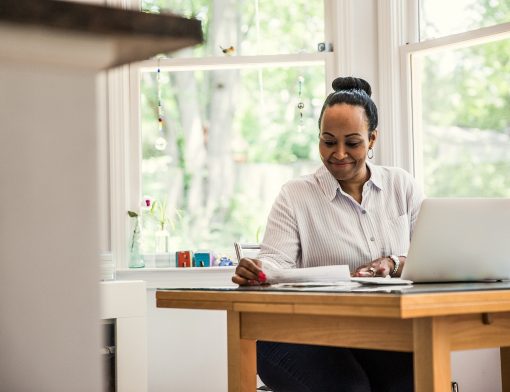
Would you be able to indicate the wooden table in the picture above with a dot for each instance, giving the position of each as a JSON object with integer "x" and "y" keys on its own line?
{"x": 429, "y": 320}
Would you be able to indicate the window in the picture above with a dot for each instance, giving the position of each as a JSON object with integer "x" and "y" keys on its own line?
{"x": 461, "y": 99}
{"x": 239, "y": 118}
{"x": 250, "y": 27}
{"x": 439, "y": 18}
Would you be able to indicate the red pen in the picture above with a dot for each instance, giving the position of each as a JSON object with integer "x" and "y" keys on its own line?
{"x": 262, "y": 277}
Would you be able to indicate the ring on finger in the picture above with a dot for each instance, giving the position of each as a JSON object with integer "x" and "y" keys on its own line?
{"x": 372, "y": 270}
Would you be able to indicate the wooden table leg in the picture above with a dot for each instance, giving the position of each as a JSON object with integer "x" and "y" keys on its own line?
{"x": 242, "y": 357}
{"x": 505, "y": 368}
{"x": 432, "y": 369}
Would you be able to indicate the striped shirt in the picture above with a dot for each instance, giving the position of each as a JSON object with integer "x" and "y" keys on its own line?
{"x": 313, "y": 222}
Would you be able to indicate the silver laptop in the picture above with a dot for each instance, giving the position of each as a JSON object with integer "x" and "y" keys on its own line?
{"x": 460, "y": 240}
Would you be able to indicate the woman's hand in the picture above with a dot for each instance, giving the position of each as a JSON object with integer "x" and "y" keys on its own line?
{"x": 380, "y": 267}
{"x": 248, "y": 272}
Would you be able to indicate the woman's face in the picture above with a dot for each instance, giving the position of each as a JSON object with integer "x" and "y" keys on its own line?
{"x": 344, "y": 142}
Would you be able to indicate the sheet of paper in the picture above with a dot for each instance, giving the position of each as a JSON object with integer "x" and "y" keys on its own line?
{"x": 326, "y": 274}
{"x": 382, "y": 281}
{"x": 379, "y": 288}
{"x": 319, "y": 286}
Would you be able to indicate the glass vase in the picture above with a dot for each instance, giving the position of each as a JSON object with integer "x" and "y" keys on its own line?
{"x": 162, "y": 238}
{"x": 135, "y": 243}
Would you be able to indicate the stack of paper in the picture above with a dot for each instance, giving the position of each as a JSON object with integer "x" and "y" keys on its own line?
{"x": 326, "y": 274}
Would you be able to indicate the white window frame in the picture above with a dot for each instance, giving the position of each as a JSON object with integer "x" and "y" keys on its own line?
{"x": 398, "y": 41}
{"x": 397, "y": 28}
{"x": 411, "y": 58}
{"x": 123, "y": 150}
{"x": 124, "y": 104}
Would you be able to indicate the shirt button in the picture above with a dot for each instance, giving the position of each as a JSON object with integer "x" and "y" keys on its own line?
{"x": 372, "y": 239}
{"x": 364, "y": 212}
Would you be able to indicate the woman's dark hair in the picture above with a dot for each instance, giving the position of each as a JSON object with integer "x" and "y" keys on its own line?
{"x": 353, "y": 91}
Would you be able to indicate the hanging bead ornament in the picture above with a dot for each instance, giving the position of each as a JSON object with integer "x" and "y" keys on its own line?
{"x": 160, "y": 143}
{"x": 300, "y": 104}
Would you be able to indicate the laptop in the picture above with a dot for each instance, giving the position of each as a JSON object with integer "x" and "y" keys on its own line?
{"x": 460, "y": 240}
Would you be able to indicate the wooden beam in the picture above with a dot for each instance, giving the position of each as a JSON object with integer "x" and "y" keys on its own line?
{"x": 379, "y": 333}
{"x": 242, "y": 357}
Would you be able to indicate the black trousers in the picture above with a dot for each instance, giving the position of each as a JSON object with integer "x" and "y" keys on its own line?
{"x": 285, "y": 367}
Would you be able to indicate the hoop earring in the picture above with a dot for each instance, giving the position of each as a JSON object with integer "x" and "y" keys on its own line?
{"x": 370, "y": 153}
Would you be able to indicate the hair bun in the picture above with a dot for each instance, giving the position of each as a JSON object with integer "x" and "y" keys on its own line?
{"x": 350, "y": 83}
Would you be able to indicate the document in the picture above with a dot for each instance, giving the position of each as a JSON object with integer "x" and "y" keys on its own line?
{"x": 387, "y": 280}
{"x": 331, "y": 275}
{"x": 313, "y": 275}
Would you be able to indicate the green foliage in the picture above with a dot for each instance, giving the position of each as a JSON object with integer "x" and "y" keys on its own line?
{"x": 285, "y": 140}
{"x": 187, "y": 8}
{"x": 285, "y": 27}
{"x": 158, "y": 212}
{"x": 265, "y": 119}
{"x": 280, "y": 28}
{"x": 469, "y": 88}
{"x": 474, "y": 92}
{"x": 469, "y": 179}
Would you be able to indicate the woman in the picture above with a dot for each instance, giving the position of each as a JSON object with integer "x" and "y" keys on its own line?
{"x": 348, "y": 212}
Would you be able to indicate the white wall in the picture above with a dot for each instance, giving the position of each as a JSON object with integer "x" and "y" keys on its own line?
{"x": 49, "y": 302}
{"x": 364, "y": 48}
{"x": 187, "y": 349}
{"x": 477, "y": 370}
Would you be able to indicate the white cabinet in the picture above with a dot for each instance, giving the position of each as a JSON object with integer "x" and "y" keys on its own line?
{"x": 125, "y": 303}
{"x": 182, "y": 343}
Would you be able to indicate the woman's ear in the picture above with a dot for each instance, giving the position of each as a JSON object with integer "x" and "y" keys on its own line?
{"x": 372, "y": 138}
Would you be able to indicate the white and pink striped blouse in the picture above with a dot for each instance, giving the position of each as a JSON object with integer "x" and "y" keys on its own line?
{"x": 313, "y": 222}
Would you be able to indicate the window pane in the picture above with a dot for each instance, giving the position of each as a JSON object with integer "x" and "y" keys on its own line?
{"x": 233, "y": 138}
{"x": 439, "y": 18}
{"x": 465, "y": 121}
{"x": 250, "y": 27}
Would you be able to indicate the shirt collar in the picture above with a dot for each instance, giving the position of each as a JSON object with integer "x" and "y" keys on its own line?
{"x": 327, "y": 182}
{"x": 375, "y": 175}
{"x": 330, "y": 185}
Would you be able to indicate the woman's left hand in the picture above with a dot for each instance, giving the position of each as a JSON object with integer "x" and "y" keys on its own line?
{"x": 380, "y": 267}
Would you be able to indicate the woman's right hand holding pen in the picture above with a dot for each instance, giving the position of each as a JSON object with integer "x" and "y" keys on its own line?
{"x": 249, "y": 273}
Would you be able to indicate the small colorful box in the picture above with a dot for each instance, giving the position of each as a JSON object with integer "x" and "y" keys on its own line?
{"x": 202, "y": 259}
{"x": 184, "y": 258}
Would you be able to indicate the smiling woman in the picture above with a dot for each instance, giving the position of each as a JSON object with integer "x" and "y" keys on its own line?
{"x": 349, "y": 212}
{"x": 341, "y": 214}
{"x": 348, "y": 123}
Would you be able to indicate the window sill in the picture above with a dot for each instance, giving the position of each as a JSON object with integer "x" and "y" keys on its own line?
{"x": 172, "y": 277}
